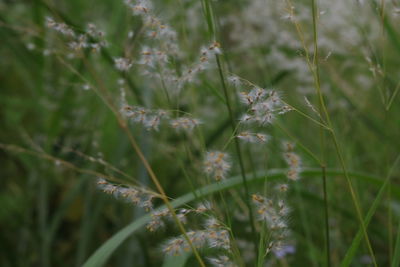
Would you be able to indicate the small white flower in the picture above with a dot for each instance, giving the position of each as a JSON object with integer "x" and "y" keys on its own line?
{"x": 142, "y": 7}
{"x": 175, "y": 246}
{"x": 253, "y": 137}
{"x": 221, "y": 261}
{"x": 184, "y": 123}
{"x": 216, "y": 164}
{"x": 203, "y": 207}
{"x": 30, "y": 46}
{"x": 246, "y": 118}
{"x": 122, "y": 64}
{"x": 234, "y": 80}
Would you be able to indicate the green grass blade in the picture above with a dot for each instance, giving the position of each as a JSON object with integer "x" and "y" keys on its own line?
{"x": 357, "y": 239}
{"x": 102, "y": 254}
{"x": 351, "y": 252}
{"x": 396, "y": 256}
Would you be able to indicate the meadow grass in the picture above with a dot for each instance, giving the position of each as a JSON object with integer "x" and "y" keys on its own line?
{"x": 200, "y": 133}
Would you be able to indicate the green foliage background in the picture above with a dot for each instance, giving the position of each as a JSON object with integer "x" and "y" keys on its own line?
{"x": 52, "y": 214}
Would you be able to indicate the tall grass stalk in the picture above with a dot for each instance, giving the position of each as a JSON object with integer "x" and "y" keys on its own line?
{"x": 322, "y": 137}
{"x": 123, "y": 125}
{"x": 210, "y": 18}
{"x": 315, "y": 70}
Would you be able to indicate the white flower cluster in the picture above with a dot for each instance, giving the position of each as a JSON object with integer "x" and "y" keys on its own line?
{"x": 293, "y": 160}
{"x": 60, "y": 27}
{"x": 185, "y": 124}
{"x": 253, "y": 137}
{"x": 263, "y": 106}
{"x": 91, "y": 38}
{"x": 158, "y": 217}
{"x": 221, "y": 261}
{"x": 156, "y": 59}
{"x": 213, "y": 236}
{"x": 216, "y": 164}
{"x": 151, "y": 119}
{"x": 270, "y": 22}
{"x": 135, "y": 195}
{"x": 156, "y": 220}
{"x": 152, "y": 58}
{"x": 274, "y": 214}
{"x": 207, "y": 54}
{"x": 156, "y": 29}
{"x": 122, "y": 64}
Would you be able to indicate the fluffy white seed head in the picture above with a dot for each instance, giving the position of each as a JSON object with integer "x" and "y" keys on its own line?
{"x": 122, "y": 64}
{"x": 235, "y": 81}
{"x": 221, "y": 261}
{"x": 216, "y": 164}
{"x": 253, "y": 137}
{"x": 185, "y": 124}
{"x": 135, "y": 195}
{"x": 175, "y": 246}
{"x": 293, "y": 160}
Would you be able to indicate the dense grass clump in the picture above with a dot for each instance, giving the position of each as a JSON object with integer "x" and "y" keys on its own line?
{"x": 200, "y": 133}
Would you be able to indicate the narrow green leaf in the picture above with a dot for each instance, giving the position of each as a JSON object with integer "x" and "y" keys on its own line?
{"x": 351, "y": 252}
{"x": 102, "y": 254}
{"x": 396, "y": 256}
{"x": 357, "y": 239}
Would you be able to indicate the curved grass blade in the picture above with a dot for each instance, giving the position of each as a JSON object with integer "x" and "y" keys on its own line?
{"x": 357, "y": 239}
{"x": 396, "y": 257}
{"x": 102, "y": 254}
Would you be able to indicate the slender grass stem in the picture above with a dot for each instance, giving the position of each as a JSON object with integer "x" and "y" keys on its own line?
{"x": 322, "y": 135}
{"x": 162, "y": 192}
{"x": 314, "y": 68}
{"x": 208, "y": 12}
{"x": 239, "y": 153}
{"x": 326, "y": 216}
{"x": 305, "y": 224}
{"x": 123, "y": 125}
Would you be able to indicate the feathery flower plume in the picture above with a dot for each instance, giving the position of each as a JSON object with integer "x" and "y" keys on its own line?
{"x": 253, "y": 137}
{"x": 263, "y": 106}
{"x": 150, "y": 119}
{"x": 206, "y": 55}
{"x": 122, "y": 64}
{"x": 91, "y": 38}
{"x": 203, "y": 207}
{"x": 60, "y": 27}
{"x": 234, "y": 80}
{"x": 216, "y": 164}
{"x": 175, "y": 246}
{"x": 293, "y": 160}
{"x": 221, "y": 261}
{"x": 135, "y": 195}
{"x": 185, "y": 124}
{"x": 274, "y": 213}
{"x": 282, "y": 188}
{"x": 157, "y": 220}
